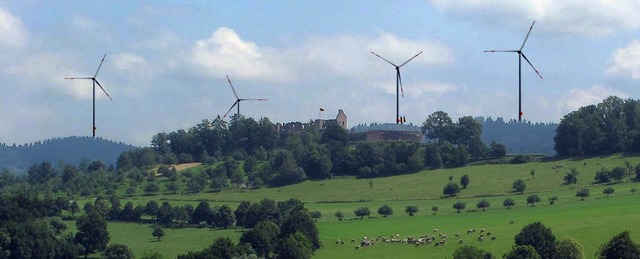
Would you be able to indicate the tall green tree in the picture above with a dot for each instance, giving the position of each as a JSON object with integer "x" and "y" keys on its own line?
{"x": 92, "y": 233}
{"x": 539, "y": 237}
{"x": 607, "y": 191}
{"x": 483, "y": 204}
{"x": 158, "y": 232}
{"x": 497, "y": 150}
{"x": 295, "y": 246}
{"x": 620, "y": 246}
{"x": 439, "y": 126}
{"x": 262, "y": 237}
{"x": 519, "y": 185}
{"x": 584, "y": 192}
{"x": 385, "y": 210}
{"x": 569, "y": 249}
{"x": 451, "y": 189}
{"x": 533, "y": 199}
{"x": 467, "y": 129}
{"x": 411, "y": 210}
{"x": 300, "y": 221}
{"x": 464, "y": 181}
{"x": 458, "y": 206}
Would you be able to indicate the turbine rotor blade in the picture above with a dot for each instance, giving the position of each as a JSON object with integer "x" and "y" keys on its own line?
{"x": 410, "y": 59}
{"x": 501, "y": 50}
{"x": 231, "y": 108}
{"x": 105, "y": 92}
{"x": 253, "y": 99}
{"x": 105, "y": 55}
{"x": 525, "y": 58}
{"x": 234, "y": 90}
{"x": 384, "y": 59}
{"x": 78, "y": 78}
{"x": 525, "y": 38}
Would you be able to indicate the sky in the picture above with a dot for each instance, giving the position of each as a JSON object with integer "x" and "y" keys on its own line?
{"x": 167, "y": 60}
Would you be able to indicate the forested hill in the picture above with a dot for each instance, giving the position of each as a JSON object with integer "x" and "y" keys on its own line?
{"x": 524, "y": 137}
{"x": 71, "y": 150}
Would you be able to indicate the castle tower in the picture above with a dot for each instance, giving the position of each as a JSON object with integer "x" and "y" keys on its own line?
{"x": 341, "y": 119}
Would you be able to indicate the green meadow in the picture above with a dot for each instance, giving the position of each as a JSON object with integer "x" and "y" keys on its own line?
{"x": 591, "y": 222}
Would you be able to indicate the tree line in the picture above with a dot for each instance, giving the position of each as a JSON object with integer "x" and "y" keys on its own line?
{"x": 279, "y": 158}
{"x": 612, "y": 126}
{"x": 31, "y": 227}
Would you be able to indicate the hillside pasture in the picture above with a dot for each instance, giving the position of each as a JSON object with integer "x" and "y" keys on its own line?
{"x": 591, "y": 222}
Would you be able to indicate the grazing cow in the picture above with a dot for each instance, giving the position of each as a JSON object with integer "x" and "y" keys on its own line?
{"x": 488, "y": 233}
{"x": 481, "y": 237}
{"x": 512, "y": 222}
{"x": 493, "y": 238}
{"x": 436, "y": 230}
{"x": 338, "y": 241}
{"x": 471, "y": 231}
{"x": 353, "y": 240}
{"x": 482, "y": 230}
{"x": 460, "y": 241}
{"x": 457, "y": 234}
{"x": 357, "y": 247}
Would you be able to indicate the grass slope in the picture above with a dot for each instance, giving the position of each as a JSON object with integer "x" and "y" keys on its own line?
{"x": 591, "y": 222}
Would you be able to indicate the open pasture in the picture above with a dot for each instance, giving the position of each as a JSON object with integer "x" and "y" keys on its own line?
{"x": 591, "y": 222}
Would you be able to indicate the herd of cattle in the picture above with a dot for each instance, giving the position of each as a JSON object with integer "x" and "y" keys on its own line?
{"x": 437, "y": 238}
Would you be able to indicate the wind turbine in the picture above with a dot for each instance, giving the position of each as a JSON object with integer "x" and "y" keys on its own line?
{"x": 95, "y": 81}
{"x": 520, "y": 56}
{"x": 238, "y": 100}
{"x": 398, "y": 81}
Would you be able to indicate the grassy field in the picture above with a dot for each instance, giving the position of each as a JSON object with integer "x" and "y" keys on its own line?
{"x": 591, "y": 222}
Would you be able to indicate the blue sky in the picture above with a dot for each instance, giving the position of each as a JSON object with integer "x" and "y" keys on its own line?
{"x": 167, "y": 60}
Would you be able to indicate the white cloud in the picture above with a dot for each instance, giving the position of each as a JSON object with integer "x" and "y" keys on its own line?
{"x": 350, "y": 55}
{"x": 579, "y": 97}
{"x": 225, "y": 53}
{"x": 129, "y": 61}
{"x": 339, "y": 56}
{"x": 12, "y": 33}
{"x": 85, "y": 24}
{"x": 47, "y": 78}
{"x": 625, "y": 61}
{"x": 591, "y": 18}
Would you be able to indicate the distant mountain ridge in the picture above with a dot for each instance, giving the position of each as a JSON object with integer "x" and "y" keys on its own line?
{"x": 71, "y": 150}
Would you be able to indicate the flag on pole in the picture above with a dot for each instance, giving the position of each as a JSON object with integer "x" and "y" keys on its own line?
{"x": 321, "y": 109}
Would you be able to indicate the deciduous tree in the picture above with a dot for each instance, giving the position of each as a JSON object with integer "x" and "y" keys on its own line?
{"x": 411, "y": 210}
{"x": 620, "y": 246}
{"x": 584, "y": 192}
{"x": 385, "y": 211}
{"x": 539, "y": 237}
{"x": 483, "y": 204}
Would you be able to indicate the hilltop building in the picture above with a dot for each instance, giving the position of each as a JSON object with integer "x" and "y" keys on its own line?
{"x": 370, "y": 133}
{"x": 341, "y": 119}
{"x": 321, "y": 124}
